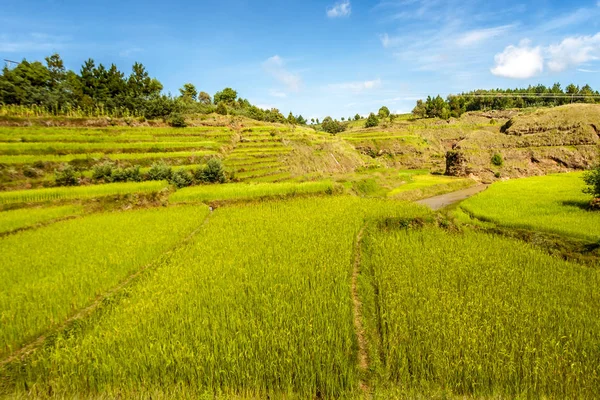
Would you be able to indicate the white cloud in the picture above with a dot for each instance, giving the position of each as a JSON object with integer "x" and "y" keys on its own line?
{"x": 478, "y": 36}
{"x": 341, "y": 9}
{"x": 275, "y": 66}
{"x": 589, "y": 71}
{"x": 519, "y": 62}
{"x": 32, "y": 42}
{"x": 389, "y": 41}
{"x": 573, "y": 51}
{"x": 357, "y": 86}
{"x": 277, "y": 93}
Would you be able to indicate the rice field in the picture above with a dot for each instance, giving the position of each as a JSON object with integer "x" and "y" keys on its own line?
{"x": 418, "y": 186}
{"x": 257, "y": 305}
{"x": 476, "y": 315}
{"x": 30, "y": 159}
{"x": 105, "y": 147}
{"x": 238, "y": 191}
{"x": 553, "y": 203}
{"x": 42, "y": 278}
{"x": 29, "y": 217}
{"x": 80, "y": 192}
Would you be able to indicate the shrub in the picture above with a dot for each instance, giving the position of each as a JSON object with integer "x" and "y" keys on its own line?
{"x": 131, "y": 174}
{"x": 213, "y": 172}
{"x": 384, "y": 112}
{"x": 221, "y": 109}
{"x": 181, "y": 178}
{"x": 66, "y": 176}
{"x": 497, "y": 160}
{"x": 102, "y": 172}
{"x": 372, "y": 121}
{"x": 30, "y": 172}
{"x": 176, "y": 120}
{"x": 159, "y": 172}
{"x": 592, "y": 180}
{"x": 331, "y": 126}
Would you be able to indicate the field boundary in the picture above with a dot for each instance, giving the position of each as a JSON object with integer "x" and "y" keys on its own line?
{"x": 362, "y": 356}
{"x": 85, "y": 312}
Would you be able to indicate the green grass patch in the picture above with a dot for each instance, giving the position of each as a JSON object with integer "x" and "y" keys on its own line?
{"x": 43, "y": 281}
{"x": 479, "y": 316}
{"x": 236, "y": 191}
{"x": 30, "y": 159}
{"x": 256, "y": 306}
{"x": 553, "y": 203}
{"x": 27, "y": 217}
{"x": 419, "y": 186}
{"x": 80, "y": 192}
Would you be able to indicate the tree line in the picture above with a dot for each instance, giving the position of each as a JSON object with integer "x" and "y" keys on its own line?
{"x": 99, "y": 90}
{"x": 503, "y": 99}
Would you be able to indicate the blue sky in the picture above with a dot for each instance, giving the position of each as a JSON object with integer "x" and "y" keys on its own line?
{"x": 319, "y": 58}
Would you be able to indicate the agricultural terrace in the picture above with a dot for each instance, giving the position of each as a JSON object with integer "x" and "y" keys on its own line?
{"x": 554, "y": 203}
{"x": 246, "y": 260}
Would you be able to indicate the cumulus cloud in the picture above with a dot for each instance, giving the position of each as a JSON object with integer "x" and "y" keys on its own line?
{"x": 519, "y": 62}
{"x": 524, "y": 61}
{"x": 340, "y": 9}
{"x": 357, "y": 86}
{"x": 478, "y": 36}
{"x": 275, "y": 66}
{"x": 572, "y": 52}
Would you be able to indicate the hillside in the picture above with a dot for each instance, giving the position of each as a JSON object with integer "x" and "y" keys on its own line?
{"x": 485, "y": 146}
{"x": 529, "y": 142}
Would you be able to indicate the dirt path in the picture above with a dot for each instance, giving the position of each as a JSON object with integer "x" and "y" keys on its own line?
{"x": 89, "y": 310}
{"x": 363, "y": 360}
{"x": 444, "y": 200}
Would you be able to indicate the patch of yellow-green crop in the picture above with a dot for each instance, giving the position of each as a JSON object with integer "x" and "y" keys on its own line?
{"x": 49, "y": 274}
{"x": 418, "y": 186}
{"x": 30, "y": 159}
{"x": 478, "y": 316}
{"x": 106, "y": 147}
{"x": 80, "y": 192}
{"x": 236, "y": 191}
{"x": 258, "y": 306}
{"x": 26, "y": 217}
{"x": 553, "y": 203}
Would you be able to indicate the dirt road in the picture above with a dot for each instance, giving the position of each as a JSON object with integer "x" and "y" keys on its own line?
{"x": 439, "y": 202}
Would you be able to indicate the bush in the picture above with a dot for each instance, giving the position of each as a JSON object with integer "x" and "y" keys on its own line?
{"x": 213, "y": 172}
{"x": 497, "y": 160}
{"x": 384, "y": 112}
{"x": 221, "y": 109}
{"x": 176, "y": 120}
{"x": 131, "y": 174}
{"x": 331, "y": 126}
{"x": 102, "y": 172}
{"x": 181, "y": 178}
{"x": 159, "y": 172}
{"x": 30, "y": 172}
{"x": 592, "y": 180}
{"x": 66, "y": 176}
{"x": 372, "y": 121}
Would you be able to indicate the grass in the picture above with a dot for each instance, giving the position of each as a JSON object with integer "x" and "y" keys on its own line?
{"x": 258, "y": 305}
{"x": 237, "y": 191}
{"x": 478, "y": 316}
{"x": 419, "y": 186}
{"x": 28, "y": 217}
{"x": 43, "y": 281}
{"x": 75, "y": 148}
{"x": 30, "y": 159}
{"x": 553, "y": 203}
{"x": 79, "y": 192}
